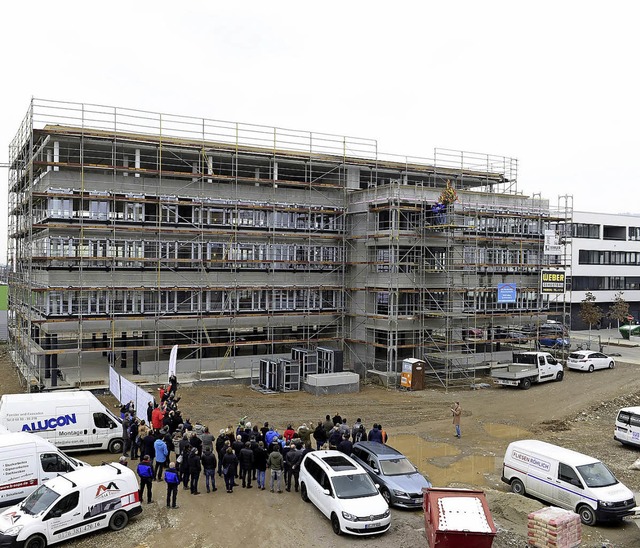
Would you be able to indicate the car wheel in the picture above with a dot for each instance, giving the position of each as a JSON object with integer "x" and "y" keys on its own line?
{"x": 525, "y": 384}
{"x": 115, "y": 446}
{"x": 386, "y": 495}
{"x": 587, "y": 515}
{"x": 303, "y": 492}
{"x": 612, "y": 364}
{"x": 591, "y": 368}
{"x": 560, "y": 376}
{"x": 335, "y": 524}
{"x": 517, "y": 487}
{"x": 36, "y": 541}
{"x": 119, "y": 520}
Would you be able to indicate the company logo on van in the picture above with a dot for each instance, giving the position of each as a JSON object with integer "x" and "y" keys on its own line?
{"x": 103, "y": 490}
{"x": 531, "y": 460}
{"x": 50, "y": 424}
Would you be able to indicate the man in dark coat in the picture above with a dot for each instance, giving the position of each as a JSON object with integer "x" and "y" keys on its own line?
{"x": 375, "y": 434}
{"x": 345, "y": 446}
{"x": 246, "y": 464}
{"x": 195, "y": 467}
{"x": 209, "y": 464}
{"x": 294, "y": 458}
{"x": 320, "y": 435}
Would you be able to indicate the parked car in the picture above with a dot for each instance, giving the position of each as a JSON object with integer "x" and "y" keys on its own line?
{"x": 343, "y": 491}
{"x": 400, "y": 481}
{"x": 588, "y": 360}
{"x": 554, "y": 341}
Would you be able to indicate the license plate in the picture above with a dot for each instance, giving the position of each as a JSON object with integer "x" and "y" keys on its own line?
{"x": 372, "y": 525}
{"x": 506, "y": 382}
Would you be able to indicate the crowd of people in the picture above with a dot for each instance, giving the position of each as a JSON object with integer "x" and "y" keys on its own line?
{"x": 173, "y": 449}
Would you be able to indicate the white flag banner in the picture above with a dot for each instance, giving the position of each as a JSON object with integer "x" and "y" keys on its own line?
{"x": 173, "y": 360}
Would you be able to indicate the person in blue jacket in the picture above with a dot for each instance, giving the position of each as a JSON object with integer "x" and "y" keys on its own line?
{"x": 145, "y": 472}
{"x": 172, "y": 479}
{"x": 162, "y": 453}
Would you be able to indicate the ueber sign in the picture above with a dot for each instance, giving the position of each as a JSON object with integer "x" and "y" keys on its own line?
{"x": 552, "y": 281}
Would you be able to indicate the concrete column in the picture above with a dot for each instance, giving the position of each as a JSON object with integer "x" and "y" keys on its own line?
{"x": 209, "y": 168}
{"x": 49, "y": 159}
{"x": 123, "y": 354}
{"x": 194, "y": 170}
{"x": 125, "y": 163}
{"x": 137, "y": 162}
{"x": 56, "y": 154}
{"x": 54, "y": 361}
{"x": 105, "y": 344}
{"x": 47, "y": 358}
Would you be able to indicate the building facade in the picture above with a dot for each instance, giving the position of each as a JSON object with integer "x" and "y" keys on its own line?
{"x": 606, "y": 262}
{"x": 132, "y": 231}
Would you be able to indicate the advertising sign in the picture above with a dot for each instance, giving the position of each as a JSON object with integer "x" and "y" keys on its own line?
{"x": 552, "y": 281}
{"x": 506, "y": 293}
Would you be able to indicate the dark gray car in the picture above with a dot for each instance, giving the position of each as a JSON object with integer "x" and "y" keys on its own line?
{"x": 400, "y": 482}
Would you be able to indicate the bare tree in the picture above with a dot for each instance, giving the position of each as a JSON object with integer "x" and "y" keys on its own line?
{"x": 620, "y": 309}
{"x": 589, "y": 311}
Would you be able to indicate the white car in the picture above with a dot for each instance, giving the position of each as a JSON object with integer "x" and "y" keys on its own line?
{"x": 587, "y": 360}
{"x": 343, "y": 491}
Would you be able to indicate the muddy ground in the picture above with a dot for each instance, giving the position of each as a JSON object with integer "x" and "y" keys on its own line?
{"x": 577, "y": 413}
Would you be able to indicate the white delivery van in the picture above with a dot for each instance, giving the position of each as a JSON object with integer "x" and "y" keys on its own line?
{"x": 627, "y": 429}
{"x": 27, "y": 461}
{"x": 73, "y": 420}
{"x": 72, "y": 504}
{"x": 566, "y": 479}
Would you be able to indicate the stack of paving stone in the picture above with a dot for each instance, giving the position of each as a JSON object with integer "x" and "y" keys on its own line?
{"x": 554, "y": 528}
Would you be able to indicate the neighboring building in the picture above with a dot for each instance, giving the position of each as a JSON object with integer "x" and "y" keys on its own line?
{"x": 605, "y": 261}
{"x": 133, "y": 231}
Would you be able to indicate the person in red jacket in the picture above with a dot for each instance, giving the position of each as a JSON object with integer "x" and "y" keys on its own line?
{"x": 157, "y": 416}
{"x": 289, "y": 433}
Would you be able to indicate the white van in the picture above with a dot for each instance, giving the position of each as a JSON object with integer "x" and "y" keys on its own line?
{"x": 566, "y": 479}
{"x": 73, "y": 420}
{"x": 27, "y": 461}
{"x": 72, "y": 504}
{"x": 628, "y": 426}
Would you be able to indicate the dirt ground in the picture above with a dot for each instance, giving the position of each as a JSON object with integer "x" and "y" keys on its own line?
{"x": 577, "y": 413}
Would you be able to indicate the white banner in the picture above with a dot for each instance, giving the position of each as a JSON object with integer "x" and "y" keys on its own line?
{"x": 173, "y": 361}
{"x": 125, "y": 391}
{"x": 132, "y": 392}
{"x": 114, "y": 383}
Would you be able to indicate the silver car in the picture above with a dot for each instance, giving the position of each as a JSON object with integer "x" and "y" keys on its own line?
{"x": 400, "y": 481}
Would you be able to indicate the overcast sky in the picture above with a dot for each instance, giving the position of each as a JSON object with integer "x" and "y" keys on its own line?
{"x": 553, "y": 84}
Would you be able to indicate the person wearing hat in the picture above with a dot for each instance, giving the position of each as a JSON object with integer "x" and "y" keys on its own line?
{"x": 124, "y": 461}
{"x": 145, "y": 473}
{"x": 162, "y": 453}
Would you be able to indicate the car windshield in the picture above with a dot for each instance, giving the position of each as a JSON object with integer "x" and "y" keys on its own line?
{"x": 597, "y": 475}
{"x": 397, "y": 467}
{"x": 354, "y": 486}
{"x": 39, "y": 500}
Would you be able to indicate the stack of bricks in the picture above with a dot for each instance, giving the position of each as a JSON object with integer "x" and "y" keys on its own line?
{"x": 554, "y": 528}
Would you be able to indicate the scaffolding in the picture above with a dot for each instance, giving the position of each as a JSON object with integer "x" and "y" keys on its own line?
{"x": 132, "y": 231}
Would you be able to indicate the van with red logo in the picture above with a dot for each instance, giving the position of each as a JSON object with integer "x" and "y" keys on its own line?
{"x": 71, "y": 505}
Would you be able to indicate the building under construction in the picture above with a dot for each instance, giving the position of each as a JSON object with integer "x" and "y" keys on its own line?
{"x": 132, "y": 231}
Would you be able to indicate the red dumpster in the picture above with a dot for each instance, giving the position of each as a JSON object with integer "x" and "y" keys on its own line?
{"x": 457, "y": 518}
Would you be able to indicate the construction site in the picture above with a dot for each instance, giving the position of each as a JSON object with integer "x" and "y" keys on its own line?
{"x": 249, "y": 246}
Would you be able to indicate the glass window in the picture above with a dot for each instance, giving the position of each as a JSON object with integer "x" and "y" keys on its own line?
{"x": 39, "y": 500}
{"x": 52, "y": 462}
{"x": 66, "y": 504}
{"x": 353, "y": 486}
{"x": 597, "y": 475}
{"x": 568, "y": 474}
{"x": 397, "y": 467}
{"x": 102, "y": 421}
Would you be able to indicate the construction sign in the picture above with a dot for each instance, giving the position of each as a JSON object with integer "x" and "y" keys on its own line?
{"x": 552, "y": 281}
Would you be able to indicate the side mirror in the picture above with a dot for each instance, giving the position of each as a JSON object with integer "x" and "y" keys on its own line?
{"x": 377, "y": 486}
{"x": 327, "y": 492}
{"x": 376, "y": 471}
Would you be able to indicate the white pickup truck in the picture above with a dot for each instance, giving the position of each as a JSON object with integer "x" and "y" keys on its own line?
{"x": 528, "y": 368}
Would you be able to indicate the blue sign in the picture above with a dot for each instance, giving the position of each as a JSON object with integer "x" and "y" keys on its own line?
{"x": 506, "y": 293}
